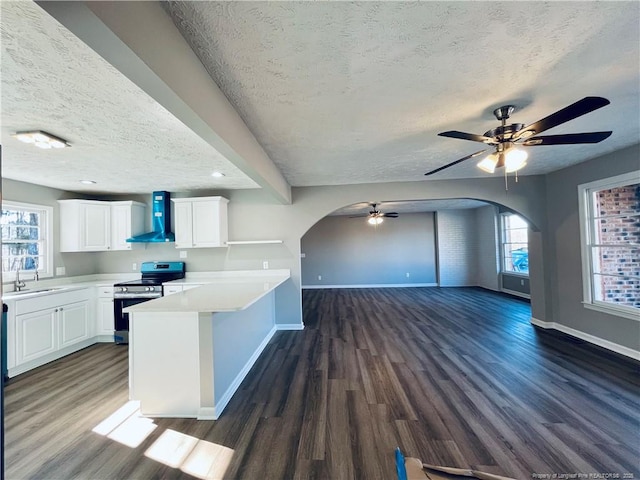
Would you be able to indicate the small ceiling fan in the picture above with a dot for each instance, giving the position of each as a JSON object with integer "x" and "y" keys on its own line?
{"x": 506, "y": 138}
{"x": 375, "y": 217}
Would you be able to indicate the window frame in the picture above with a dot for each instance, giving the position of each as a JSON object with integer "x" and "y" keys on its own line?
{"x": 45, "y": 269}
{"x": 587, "y": 219}
{"x": 503, "y": 242}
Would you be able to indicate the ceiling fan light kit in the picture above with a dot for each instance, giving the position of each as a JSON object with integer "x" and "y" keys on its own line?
{"x": 375, "y": 217}
{"x": 506, "y": 138}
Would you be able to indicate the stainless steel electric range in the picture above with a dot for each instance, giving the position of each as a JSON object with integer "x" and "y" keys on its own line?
{"x": 148, "y": 287}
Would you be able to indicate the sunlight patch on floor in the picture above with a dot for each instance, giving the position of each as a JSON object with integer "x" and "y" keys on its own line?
{"x": 126, "y": 425}
{"x": 199, "y": 458}
{"x": 196, "y": 457}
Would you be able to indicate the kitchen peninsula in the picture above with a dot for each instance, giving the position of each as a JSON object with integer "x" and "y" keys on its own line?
{"x": 189, "y": 351}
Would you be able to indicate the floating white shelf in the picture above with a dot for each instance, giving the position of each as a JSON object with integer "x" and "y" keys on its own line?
{"x": 252, "y": 242}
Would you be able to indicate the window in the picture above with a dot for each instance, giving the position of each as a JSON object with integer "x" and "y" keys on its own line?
{"x": 26, "y": 239}
{"x": 610, "y": 237}
{"x": 515, "y": 244}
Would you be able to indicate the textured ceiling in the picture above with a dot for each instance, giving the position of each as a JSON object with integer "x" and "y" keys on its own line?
{"x": 52, "y": 81}
{"x": 335, "y": 92}
{"x": 351, "y": 92}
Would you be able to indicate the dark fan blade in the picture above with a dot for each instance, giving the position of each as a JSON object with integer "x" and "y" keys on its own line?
{"x": 575, "y": 110}
{"x": 455, "y": 163}
{"x": 567, "y": 139}
{"x": 465, "y": 136}
{"x": 390, "y": 215}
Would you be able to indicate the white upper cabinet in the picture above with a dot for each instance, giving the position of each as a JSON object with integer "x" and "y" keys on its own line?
{"x": 96, "y": 226}
{"x": 200, "y": 222}
{"x": 127, "y": 220}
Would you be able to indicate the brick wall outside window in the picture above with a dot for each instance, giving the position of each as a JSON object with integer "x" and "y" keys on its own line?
{"x": 617, "y": 258}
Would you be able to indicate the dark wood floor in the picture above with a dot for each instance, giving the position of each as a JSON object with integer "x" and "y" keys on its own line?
{"x": 455, "y": 377}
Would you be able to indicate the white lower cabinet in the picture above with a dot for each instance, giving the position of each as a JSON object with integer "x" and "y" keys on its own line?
{"x": 73, "y": 321}
{"x": 36, "y": 335}
{"x": 45, "y": 328}
{"x": 104, "y": 313}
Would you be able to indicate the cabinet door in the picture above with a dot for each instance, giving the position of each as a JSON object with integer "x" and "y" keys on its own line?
{"x": 74, "y": 323}
{"x": 105, "y": 324}
{"x": 36, "y": 335}
{"x": 97, "y": 226}
{"x": 206, "y": 225}
{"x": 183, "y": 224}
{"x": 120, "y": 227}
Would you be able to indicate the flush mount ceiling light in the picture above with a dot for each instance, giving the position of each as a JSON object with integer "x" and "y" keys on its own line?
{"x": 217, "y": 174}
{"x": 41, "y": 139}
{"x": 88, "y": 182}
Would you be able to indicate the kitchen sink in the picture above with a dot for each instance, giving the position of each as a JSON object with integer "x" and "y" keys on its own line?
{"x": 42, "y": 290}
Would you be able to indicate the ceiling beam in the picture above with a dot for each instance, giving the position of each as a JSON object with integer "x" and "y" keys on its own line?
{"x": 140, "y": 40}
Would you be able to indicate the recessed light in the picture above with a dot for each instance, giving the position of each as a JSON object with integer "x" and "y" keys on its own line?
{"x": 87, "y": 182}
{"x": 41, "y": 139}
{"x": 217, "y": 174}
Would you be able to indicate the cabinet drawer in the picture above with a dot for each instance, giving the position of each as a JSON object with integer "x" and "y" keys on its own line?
{"x": 44, "y": 302}
{"x": 105, "y": 292}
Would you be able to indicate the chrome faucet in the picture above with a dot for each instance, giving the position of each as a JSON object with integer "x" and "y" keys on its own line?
{"x": 18, "y": 284}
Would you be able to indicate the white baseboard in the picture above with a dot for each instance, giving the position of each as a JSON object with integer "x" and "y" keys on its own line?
{"x": 614, "y": 347}
{"x": 289, "y": 326}
{"x": 104, "y": 339}
{"x": 516, "y": 294}
{"x": 206, "y": 413}
{"x": 372, "y": 285}
{"x": 226, "y": 397}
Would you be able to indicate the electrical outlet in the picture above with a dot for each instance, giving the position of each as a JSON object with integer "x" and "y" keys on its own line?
{"x": 183, "y": 254}
{"x": 522, "y": 283}
{"x": 319, "y": 277}
{"x": 60, "y": 271}
{"x": 265, "y": 265}
{"x": 408, "y": 274}
{"x": 134, "y": 266}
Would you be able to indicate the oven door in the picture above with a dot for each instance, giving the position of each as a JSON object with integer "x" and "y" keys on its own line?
{"x": 121, "y": 319}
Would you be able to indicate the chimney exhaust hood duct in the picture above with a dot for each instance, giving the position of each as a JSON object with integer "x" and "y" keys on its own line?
{"x": 161, "y": 221}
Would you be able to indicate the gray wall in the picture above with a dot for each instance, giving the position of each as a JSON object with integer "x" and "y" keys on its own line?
{"x": 349, "y": 251}
{"x": 76, "y": 263}
{"x": 515, "y": 283}
{"x": 487, "y": 248}
{"x": 563, "y": 266}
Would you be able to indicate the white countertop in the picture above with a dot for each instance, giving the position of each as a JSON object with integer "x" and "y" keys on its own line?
{"x": 51, "y": 286}
{"x": 220, "y": 292}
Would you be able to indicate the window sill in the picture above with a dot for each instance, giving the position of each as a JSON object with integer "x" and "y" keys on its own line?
{"x": 612, "y": 310}
{"x": 516, "y": 274}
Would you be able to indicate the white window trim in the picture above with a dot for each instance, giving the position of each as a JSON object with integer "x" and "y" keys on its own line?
{"x": 46, "y": 270}
{"x": 503, "y": 232}
{"x": 584, "y": 210}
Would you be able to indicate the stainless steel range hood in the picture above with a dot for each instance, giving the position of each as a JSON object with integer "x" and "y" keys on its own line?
{"x": 160, "y": 221}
